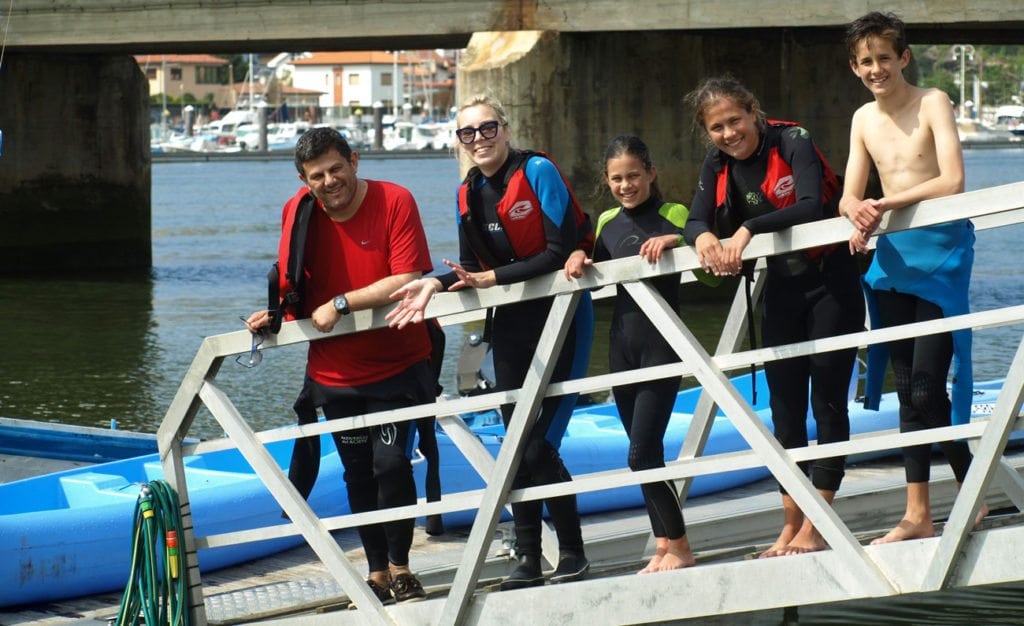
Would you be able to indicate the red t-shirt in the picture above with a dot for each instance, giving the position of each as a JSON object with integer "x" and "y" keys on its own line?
{"x": 385, "y": 237}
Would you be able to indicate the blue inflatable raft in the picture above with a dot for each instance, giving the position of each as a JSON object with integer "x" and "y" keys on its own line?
{"x": 69, "y": 533}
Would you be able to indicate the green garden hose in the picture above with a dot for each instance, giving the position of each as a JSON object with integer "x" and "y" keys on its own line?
{"x": 157, "y": 588}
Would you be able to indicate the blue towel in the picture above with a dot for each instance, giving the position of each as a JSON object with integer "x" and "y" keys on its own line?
{"x": 933, "y": 263}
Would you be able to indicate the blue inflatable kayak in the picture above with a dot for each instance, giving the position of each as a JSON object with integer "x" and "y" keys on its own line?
{"x": 69, "y": 533}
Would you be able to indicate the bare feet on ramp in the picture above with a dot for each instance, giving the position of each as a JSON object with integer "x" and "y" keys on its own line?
{"x": 905, "y": 530}
{"x": 675, "y": 561}
{"x": 653, "y": 564}
{"x": 670, "y": 555}
{"x": 778, "y": 548}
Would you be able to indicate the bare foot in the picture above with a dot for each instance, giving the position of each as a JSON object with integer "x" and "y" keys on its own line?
{"x": 778, "y": 548}
{"x": 775, "y": 550}
{"x": 677, "y": 555}
{"x": 907, "y": 530}
{"x": 980, "y": 517}
{"x": 802, "y": 548}
{"x": 807, "y": 540}
{"x": 654, "y": 563}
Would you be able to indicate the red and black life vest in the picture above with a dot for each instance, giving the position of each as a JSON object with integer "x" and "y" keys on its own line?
{"x": 520, "y": 214}
{"x": 286, "y": 292}
{"x": 779, "y": 185}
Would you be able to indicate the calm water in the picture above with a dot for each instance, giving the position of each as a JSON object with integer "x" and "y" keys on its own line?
{"x": 90, "y": 350}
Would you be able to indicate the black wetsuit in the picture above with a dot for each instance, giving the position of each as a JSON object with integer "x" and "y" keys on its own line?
{"x": 804, "y": 299}
{"x": 920, "y": 366}
{"x": 516, "y": 329}
{"x": 645, "y": 408}
{"x": 376, "y": 459}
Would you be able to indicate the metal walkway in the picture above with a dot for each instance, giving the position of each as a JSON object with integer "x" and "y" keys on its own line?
{"x": 847, "y": 571}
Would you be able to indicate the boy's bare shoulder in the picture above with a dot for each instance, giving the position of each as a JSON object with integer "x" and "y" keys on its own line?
{"x": 865, "y": 112}
{"x": 933, "y": 97}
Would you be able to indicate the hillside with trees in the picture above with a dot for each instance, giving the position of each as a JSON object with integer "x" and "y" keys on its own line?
{"x": 1000, "y": 70}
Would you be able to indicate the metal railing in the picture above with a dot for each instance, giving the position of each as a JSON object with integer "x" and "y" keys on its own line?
{"x": 867, "y": 570}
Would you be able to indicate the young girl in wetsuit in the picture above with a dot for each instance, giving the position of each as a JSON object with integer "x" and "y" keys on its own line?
{"x": 642, "y": 225}
{"x": 517, "y": 220}
{"x": 759, "y": 177}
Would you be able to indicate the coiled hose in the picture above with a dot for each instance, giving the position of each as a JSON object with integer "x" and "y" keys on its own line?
{"x": 157, "y": 588}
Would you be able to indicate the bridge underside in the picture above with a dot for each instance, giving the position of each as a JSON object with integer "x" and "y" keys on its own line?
{"x": 148, "y": 26}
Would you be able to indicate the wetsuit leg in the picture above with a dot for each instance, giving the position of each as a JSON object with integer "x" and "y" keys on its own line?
{"x": 515, "y": 332}
{"x": 920, "y": 367}
{"x": 305, "y": 463}
{"x": 356, "y": 452}
{"x": 645, "y": 409}
{"x": 839, "y": 310}
{"x": 378, "y": 473}
{"x": 425, "y": 428}
{"x": 783, "y": 320}
{"x": 392, "y": 471}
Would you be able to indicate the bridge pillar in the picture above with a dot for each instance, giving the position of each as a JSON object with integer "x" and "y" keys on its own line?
{"x": 570, "y": 93}
{"x": 75, "y": 166}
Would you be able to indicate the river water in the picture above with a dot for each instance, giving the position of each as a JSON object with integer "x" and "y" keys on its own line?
{"x": 91, "y": 349}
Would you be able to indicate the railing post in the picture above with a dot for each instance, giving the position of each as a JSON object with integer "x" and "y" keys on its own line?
{"x": 312, "y": 528}
{"x": 483, "y": 463}
{"x": 729, "y": 342}
{"x": 703, "y": 417}
{"x": 170, "y": 435}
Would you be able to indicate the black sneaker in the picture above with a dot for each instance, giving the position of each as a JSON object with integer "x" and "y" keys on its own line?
{"x": 407, "y": 588}
{"x": 434, "y": 526}
{"x": 383, "y": 593}
{"x": 572, "y": 566}
{"x": 526, "y": 574}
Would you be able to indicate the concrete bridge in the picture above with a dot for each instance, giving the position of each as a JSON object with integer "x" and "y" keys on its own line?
{"x": 75, "y": 169}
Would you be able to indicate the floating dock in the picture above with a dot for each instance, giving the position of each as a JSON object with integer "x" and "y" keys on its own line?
{"x": 727, "y": 529}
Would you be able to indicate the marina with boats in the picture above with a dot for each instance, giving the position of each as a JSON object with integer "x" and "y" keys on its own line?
{"x": 280, "y": 138}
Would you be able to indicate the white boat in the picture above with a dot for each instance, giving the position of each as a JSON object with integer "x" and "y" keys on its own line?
{"x": 280, "y": 136}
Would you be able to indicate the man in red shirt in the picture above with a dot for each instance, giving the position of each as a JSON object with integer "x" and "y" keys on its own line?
{"x": 364, "y": 241}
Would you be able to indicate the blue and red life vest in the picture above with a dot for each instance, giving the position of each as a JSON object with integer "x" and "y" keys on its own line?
{"x": 519, "y": 211}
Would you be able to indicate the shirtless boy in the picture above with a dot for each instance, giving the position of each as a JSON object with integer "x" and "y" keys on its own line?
{"x": 910, "y": 134}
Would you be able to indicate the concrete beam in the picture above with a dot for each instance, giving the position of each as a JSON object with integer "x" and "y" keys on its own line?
{"x": 75, "y": 169}
{"x": 152, "y": 26}
{"x": 570, "y": 93}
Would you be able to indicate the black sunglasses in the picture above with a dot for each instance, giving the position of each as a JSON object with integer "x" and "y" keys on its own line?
{"x": 487, "y": 130}
{"x": 255, "y": 356}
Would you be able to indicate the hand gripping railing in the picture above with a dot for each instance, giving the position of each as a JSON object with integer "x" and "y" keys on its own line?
{"x": 989, "y": 208}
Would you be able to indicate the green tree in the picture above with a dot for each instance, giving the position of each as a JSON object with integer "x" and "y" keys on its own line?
{"x": 1000, "y": 68}
{"x": 237, "y": 69}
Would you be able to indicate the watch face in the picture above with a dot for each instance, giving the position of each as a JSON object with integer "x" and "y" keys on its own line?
{"x": 341, "y": 305}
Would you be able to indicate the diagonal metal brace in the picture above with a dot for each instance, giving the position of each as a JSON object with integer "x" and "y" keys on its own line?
{"x": 312, "y": 528}
{"x": 760, "y": 439}
{"x": 979, "y": 476}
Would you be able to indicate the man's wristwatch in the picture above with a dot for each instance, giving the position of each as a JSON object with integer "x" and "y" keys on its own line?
{"x": 341, "y": 304}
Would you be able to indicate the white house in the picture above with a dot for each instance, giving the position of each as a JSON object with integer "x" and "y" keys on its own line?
{"x": 351, "y": 81}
